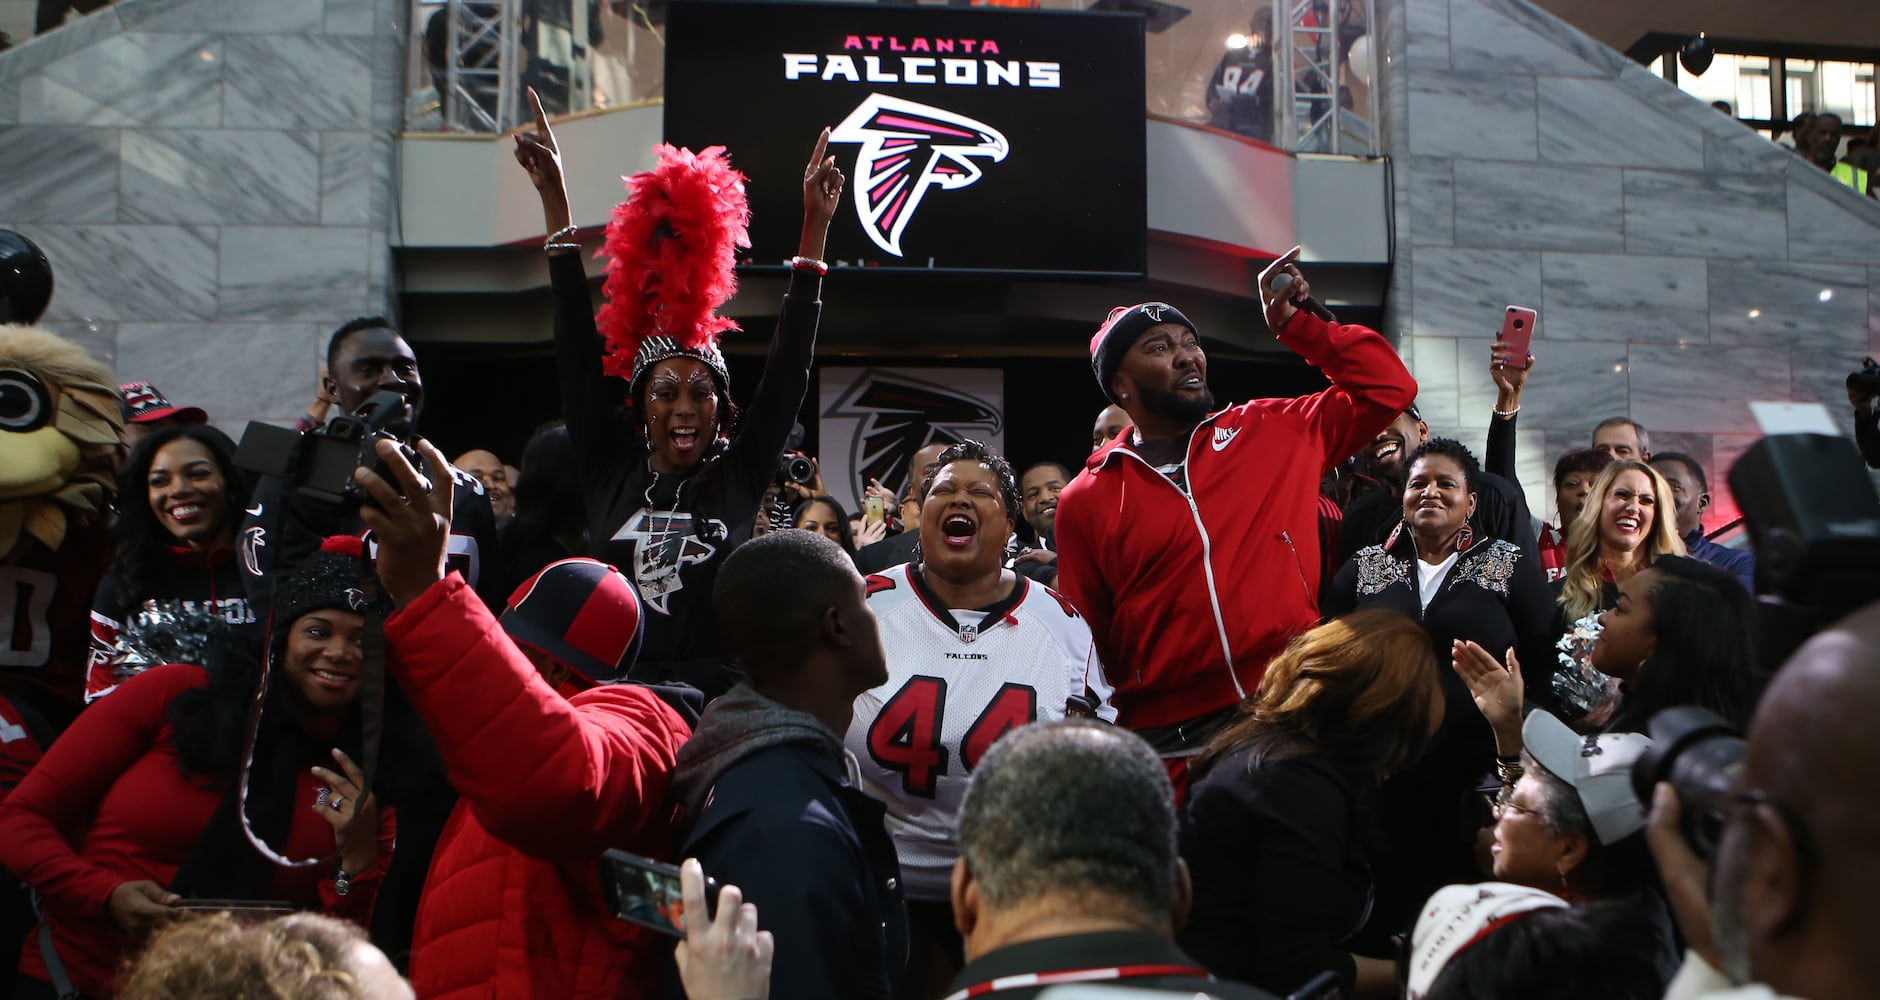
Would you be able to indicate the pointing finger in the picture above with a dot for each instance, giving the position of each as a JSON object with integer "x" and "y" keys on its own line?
{"x": 816, "y": 159}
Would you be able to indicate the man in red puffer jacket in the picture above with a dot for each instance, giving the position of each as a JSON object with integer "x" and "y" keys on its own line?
{"x": 555, "y": 764}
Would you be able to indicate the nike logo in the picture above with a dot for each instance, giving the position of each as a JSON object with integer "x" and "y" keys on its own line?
{"x": 1224, "y": 436}
{"x": 254, "y": 511}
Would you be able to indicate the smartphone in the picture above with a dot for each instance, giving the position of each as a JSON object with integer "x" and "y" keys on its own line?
{"x": 874, "y": 510}
{"x": 646, "y": 892}
{"x": 267, "y": 907}
{"x": 1517, "y": 331}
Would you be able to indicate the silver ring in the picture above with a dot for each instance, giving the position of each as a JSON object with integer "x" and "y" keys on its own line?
{"x": 336, "y": 802}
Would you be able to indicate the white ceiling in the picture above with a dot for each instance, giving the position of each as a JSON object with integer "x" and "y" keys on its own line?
{"x": 1619, "y": 23}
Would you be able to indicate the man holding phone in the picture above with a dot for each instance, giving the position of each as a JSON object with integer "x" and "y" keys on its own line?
{"x": 1192, "y": 542}
{"x": 554, "y": 764}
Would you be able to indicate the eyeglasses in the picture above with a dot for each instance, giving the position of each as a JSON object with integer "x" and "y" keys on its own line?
{"x": 1503, "y": 801}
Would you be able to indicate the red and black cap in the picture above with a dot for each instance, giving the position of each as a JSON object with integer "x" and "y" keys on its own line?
{"x": 582, "y": 612}
{"x": 141, "y": 403}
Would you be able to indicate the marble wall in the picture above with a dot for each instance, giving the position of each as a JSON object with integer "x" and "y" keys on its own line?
{"x": 1682, "y": 265}
{"x": 212, "y": 180}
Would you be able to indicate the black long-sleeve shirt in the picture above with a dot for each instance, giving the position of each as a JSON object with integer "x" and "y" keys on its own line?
{"x": 670, "y": 533}
{"x": 1281, "y": 881}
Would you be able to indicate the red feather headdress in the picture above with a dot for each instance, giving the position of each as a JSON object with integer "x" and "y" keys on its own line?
{"x": 673, "y": 248}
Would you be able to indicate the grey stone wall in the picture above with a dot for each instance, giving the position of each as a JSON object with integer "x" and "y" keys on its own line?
{"x": 1682, "y": 264}
{"x": 212, "y": 180}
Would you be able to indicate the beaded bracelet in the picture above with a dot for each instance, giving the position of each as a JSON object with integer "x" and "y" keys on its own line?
{"x": 556, "y": 239}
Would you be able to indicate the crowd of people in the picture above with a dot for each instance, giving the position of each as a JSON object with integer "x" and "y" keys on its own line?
{"x": 1291, "y": 697}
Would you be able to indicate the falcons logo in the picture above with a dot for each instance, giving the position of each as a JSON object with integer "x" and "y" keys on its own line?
{"x": 253, "y": 541}
{"x": 906, "y": 149}
{"x": 898, "y": 416}
{"x": 665, "y": 542}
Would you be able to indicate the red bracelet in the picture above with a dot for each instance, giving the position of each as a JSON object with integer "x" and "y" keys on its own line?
{"x": 808, "y": 264}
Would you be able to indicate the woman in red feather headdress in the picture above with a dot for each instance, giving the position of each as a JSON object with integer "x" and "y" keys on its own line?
{"x": 674, "y": 475}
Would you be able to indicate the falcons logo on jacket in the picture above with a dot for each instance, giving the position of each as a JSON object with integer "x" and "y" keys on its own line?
{"x": 906, "y": 149}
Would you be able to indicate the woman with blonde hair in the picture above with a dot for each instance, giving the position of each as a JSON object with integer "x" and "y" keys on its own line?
{"x": 1271, "y": 827}
{"x": 304, "y": 956}
{"x": 1618, "y": 533}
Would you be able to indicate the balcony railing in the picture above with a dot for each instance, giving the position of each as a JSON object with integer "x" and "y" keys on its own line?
{"x": 1215, "y": 63}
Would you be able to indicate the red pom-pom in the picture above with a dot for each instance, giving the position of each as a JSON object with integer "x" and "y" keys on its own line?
{"x": 350, "y": 546}
{"x": 673, "y": 248}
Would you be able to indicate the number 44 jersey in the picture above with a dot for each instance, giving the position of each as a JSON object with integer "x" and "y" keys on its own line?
{"x": 957, "y": 681}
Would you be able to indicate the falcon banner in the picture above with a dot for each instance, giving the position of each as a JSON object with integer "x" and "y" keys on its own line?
{"x": 871, "y": 421}
{"x": 972, "y": 139}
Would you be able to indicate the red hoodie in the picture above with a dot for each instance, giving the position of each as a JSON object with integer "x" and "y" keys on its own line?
{"x": 1190, "y": 594}
{"x": 512, "y": 906}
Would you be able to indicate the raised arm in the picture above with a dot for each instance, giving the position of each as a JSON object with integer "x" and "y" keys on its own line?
{"x": 540, "y": 774}
{"x": 785, "y": 381}
{"x": 1509, "y": 381}
{"x": 589, "y": 397}
{"x": 1370, "y": 385}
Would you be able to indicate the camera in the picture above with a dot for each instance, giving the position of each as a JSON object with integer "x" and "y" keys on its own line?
{"x": 321, "y": 462}
{"x": 794, "y": 468}
{"x": 1700, "y": 755}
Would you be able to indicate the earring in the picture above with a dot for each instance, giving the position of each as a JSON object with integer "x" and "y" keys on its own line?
{"x": 1395, "y": 533}
{"x": 1464, "y": 538}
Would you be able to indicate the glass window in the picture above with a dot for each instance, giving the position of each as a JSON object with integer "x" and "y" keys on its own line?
{"x": 1740, "y": 81}
{"x": 1846, "y": 88}
{"x": 1801, "y": 86}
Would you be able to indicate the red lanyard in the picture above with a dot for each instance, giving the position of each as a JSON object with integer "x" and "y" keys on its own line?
{"x": 1028, "y": 979}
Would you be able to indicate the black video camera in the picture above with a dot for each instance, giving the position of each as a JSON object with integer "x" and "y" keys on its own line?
{"x": 321, "y": 461}
{"x": 1866, "y": 382}
{"x": 1700, "y": 755}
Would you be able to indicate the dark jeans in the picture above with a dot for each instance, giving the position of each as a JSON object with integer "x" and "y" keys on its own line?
{"x": 932, "y": 940}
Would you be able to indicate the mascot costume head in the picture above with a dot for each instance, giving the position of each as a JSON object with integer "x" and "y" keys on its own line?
{"x": 59, "y": 453}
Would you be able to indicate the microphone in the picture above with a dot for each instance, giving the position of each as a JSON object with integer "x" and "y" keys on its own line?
{"x": 1284, "y": 282}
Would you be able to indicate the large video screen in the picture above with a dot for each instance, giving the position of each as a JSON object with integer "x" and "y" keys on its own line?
{"x": 974, "y": 140}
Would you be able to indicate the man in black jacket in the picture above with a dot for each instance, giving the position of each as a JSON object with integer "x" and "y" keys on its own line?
{"x": 364, "y": 356}
{"x": 1067, "y": 870}
{"x": 764, "y": 781}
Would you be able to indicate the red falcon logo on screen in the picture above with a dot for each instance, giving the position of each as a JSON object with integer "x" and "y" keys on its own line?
{"x": 906, "y": 149}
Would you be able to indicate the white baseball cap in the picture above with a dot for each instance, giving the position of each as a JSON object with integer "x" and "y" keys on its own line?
{"x": 1599, "y": 768}
{"x": 1459, "y": 916}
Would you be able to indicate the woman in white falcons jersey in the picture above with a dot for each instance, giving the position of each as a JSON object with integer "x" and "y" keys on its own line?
{"x": 974, "y": 650}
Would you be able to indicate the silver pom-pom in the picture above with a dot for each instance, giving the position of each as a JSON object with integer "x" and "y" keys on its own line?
{"x": 1585, "y": 695}
{"x": 166, "y": 631}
